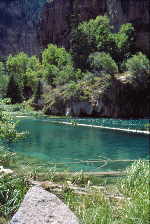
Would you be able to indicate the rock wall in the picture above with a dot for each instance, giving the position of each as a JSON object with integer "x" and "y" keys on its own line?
{"x": 28, "y": 26}
{"x": 59, "y": 15}
{"x": 19, "y": 21}
{"x": 122, "y": 99}
{"x": 133, "y": 11}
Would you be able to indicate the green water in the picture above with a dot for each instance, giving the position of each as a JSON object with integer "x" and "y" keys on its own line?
{"x": 49, "y": 142}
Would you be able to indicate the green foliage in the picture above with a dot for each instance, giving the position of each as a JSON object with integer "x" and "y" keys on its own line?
{"x": 92, "y": 209}
{"x": 6, "y": 157}
{"x": 138, "y": 64}
{"x": 123, "y": 43}
{"x": 8, "y": 131}
{"x": 12, "y": 191}
{"x": 56, "y": 56}
{"x": 14, "y": 91}
{"x": 97, "y": 207}
{"x": 3, "y": 80}
{"x": 58, "y": 66}
{"x": 101, "y": 62}
{"x": 26, "y": 70}
{"x": 97, "y": 51}
{"x": 66, "y": 75}
{"x": 17, "y": 65}
{"x": 136, "y": 186}
{"x": 97, "y": 35}
{"x": 51, "y": 72}
{"x": 89, "y": 37}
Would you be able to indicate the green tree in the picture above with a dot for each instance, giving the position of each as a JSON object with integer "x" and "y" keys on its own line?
{"x": 26, "y": 70}
{"x": 58, "y": 66}
{"x": 56, "y": 56}
{"x": 124, "y": 43}
{"x": 14, "y": 91}
{"x": 89, "y": 37}
{"x": 97, "y": 35}
{"x": 17, "y": 65}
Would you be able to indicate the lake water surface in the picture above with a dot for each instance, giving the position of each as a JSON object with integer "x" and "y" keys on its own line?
{"x": 56, "y": 143}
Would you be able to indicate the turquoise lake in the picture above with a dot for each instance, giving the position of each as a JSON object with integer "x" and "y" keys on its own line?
{"x": 55, "y": 143}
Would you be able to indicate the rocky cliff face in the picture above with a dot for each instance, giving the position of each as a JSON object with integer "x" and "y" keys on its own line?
{"x": 28, "y": 26}
{"x": 19, "y": 21}
{"x": 122, "y": 99}
{"x": 135, "y": 12}
{"x": 59, "y": 15}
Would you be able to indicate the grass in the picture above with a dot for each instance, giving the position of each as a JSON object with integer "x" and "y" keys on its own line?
{"x": 12, "y": 191}
{"x": 137, "y": 187}
{"x": 99, "y": 205}
{"x": 6, "y": 157}
{"x": 91, "y": 209}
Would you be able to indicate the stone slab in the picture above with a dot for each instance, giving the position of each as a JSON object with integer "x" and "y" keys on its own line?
{"x": 41, "y": 207}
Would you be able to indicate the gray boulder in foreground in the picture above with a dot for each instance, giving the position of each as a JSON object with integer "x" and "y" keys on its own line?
{"x": 41, "y": 207}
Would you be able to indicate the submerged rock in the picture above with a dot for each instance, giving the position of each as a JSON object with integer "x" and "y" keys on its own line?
{"x": 41, "y": 207}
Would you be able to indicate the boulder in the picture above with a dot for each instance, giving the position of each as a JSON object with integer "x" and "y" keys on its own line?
{"x": 41, "y": 207}
{"x": 5, "y": 171}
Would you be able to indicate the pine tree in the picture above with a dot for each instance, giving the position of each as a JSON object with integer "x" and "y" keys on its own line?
{"x": 14, "y": 91}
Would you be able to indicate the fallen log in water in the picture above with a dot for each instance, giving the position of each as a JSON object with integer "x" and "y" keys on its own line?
{"x": 103, "y": 127}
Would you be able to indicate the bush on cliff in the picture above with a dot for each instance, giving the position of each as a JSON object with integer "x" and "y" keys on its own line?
{"x": 138, "y": 65}
{"x": 98, "y": 35}
{"x": 101, "y": 62}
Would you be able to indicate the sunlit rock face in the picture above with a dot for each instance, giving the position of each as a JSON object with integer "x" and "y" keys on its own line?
{"x": 59, "y": 16}
{"x": 19, "y": 21}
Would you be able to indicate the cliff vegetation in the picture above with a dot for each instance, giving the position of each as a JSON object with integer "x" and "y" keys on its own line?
{"x": 103, "y": 74}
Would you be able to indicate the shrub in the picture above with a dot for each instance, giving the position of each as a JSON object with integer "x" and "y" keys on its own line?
{"x": 138, "y": 64}
{"x": 102, "y": 62}
{"x": 8, "y": 130}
